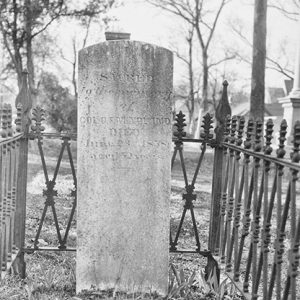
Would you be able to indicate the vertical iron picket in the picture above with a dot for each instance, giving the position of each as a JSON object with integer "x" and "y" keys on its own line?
{"x": 222, "y": 112}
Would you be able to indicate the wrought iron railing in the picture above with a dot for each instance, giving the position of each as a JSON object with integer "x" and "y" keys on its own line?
{"x": 189, "y": 196}
{"x": 10, "y": 138}
{"x": 38, "y": 135}
{"x": 254, "y": 230}
{"x": 259, "y": 222}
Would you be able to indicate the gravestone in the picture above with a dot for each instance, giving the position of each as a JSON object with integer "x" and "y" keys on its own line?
{"x": 124, "y": 142}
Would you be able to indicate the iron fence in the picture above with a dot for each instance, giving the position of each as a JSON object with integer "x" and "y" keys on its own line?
{"x": 258, "y": 230}
{"x": 254, "y": 230}
{"x": 38, "y": 136}
{"x": 10, "y": 138}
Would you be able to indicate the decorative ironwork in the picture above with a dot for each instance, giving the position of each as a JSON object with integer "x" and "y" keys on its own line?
{"x": 4, "y": 121}
{"x": 254, "y": 204}
{"x": 18, "y": 120}
{"x": 207, "y": 126}
{"x": 241, "y": 126}
{"x": 259, "y": 180}
{"x": 180, "y": 124}
{"x": 50, "y": 192}
{"x": 189, "y": 196}
{"x": 38, "y": 116}
{"x": 9, "y": 150}
{"x": 223, "y": 110}
{"x": 282, "y": 133}
{"x": 9, "y": 120}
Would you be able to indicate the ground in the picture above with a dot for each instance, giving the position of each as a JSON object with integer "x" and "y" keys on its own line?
{"x": 51, "y": 275}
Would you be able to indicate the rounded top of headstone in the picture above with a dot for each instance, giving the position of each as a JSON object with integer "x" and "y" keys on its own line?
{"x": 113, "y": 36}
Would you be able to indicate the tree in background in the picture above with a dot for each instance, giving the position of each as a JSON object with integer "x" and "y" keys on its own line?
{"x": 188, "y": 91}
{"x": 278, "y": 59}
{"x": 23, "y": 21}
{"x": 58, "y": 102}
{"x": 80, "y": 41}
{"x": 203, "y": 16}
{"x": 257, "y": 96}
{"x": 289, "y": 9}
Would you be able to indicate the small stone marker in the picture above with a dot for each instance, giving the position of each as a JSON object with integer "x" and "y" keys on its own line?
{"x": 124, "y": 140}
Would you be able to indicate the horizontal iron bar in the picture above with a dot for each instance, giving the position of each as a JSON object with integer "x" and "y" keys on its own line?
{"x": 187, "y": 140}
{"x": 192, "y": 251}
{"x": 5, "y": 141}
{"x": 54, "y": 135}
{"x": 204, "y": 253}
{"x": 262, "y": 156}
{"x": 47, "y": 249}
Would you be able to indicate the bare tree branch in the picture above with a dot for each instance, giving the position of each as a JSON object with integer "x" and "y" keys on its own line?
{"x": 233, "y": 56}
{"x": 277, "y": 67}
{"x": 215, "y": 22}
{"x": 290, "y": 14}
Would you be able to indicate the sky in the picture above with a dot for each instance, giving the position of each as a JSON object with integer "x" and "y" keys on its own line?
{"x": 149, "y": 24}
{"x": 152, "y": 25}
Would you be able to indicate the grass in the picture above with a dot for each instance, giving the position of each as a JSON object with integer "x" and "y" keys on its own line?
{"x": 51, "y": 275}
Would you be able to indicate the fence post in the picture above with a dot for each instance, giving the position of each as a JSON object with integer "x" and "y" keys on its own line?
{"x": 23, "y": 101}
{"x": 222, "y": 111}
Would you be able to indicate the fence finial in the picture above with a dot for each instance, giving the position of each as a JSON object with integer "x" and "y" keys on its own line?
{"x": 4, "y": 121}
{"x": 295, "y": 155}
{"x": 227, "y": 128}
{"x": 268, "y": 137}
{"x": 207, "y": 125}
{"x": 24, "y": 98}
{"x": 258, "y": 136}
{"x": 234, "y": 121}
{"x": 241, "y": 126}
{"x": 180, "y": 124}
{"x": 249, "y": 133}
{"x": 38, "y": 116}
{"x": 223, "y": 108}
{"x": 282, "y": 133}
{"x": 18, "y": 120}
{"x": 10, "y": 131}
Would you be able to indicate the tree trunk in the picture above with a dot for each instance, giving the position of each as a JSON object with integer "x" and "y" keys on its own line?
{"x": 258, "y": 60}
{"x": 205, "y": 81}
{"x": 14, "y": 53}
{"x": 191, "y": 82}
{"x": 29, "y": 55}
{"x": 74, "y": 64}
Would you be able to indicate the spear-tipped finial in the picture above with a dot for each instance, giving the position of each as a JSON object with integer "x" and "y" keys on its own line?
{"x": 223, "y": 108}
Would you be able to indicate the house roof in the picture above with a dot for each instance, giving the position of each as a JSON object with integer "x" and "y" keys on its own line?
{"x": 288, "y": 85}
{"x": 273, "y": 93}
{"x": 274, "y": 109}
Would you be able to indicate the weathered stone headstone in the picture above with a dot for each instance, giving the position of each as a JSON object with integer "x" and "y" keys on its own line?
{"x": 124, "y": 137}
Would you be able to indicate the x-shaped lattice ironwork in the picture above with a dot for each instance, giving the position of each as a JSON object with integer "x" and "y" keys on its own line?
{"x": 189, "y": 196}
{"x": 50, "y": 193}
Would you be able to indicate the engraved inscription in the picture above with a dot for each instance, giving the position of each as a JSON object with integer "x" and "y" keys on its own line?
{"x": 120, "y": 143}
{"x": 126, "y": 77}
{"x": 124, "y": 153}
{"x": 125, "y": 120}
{"x": 146, "y": 92}
{"x": 119, "y": 156}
